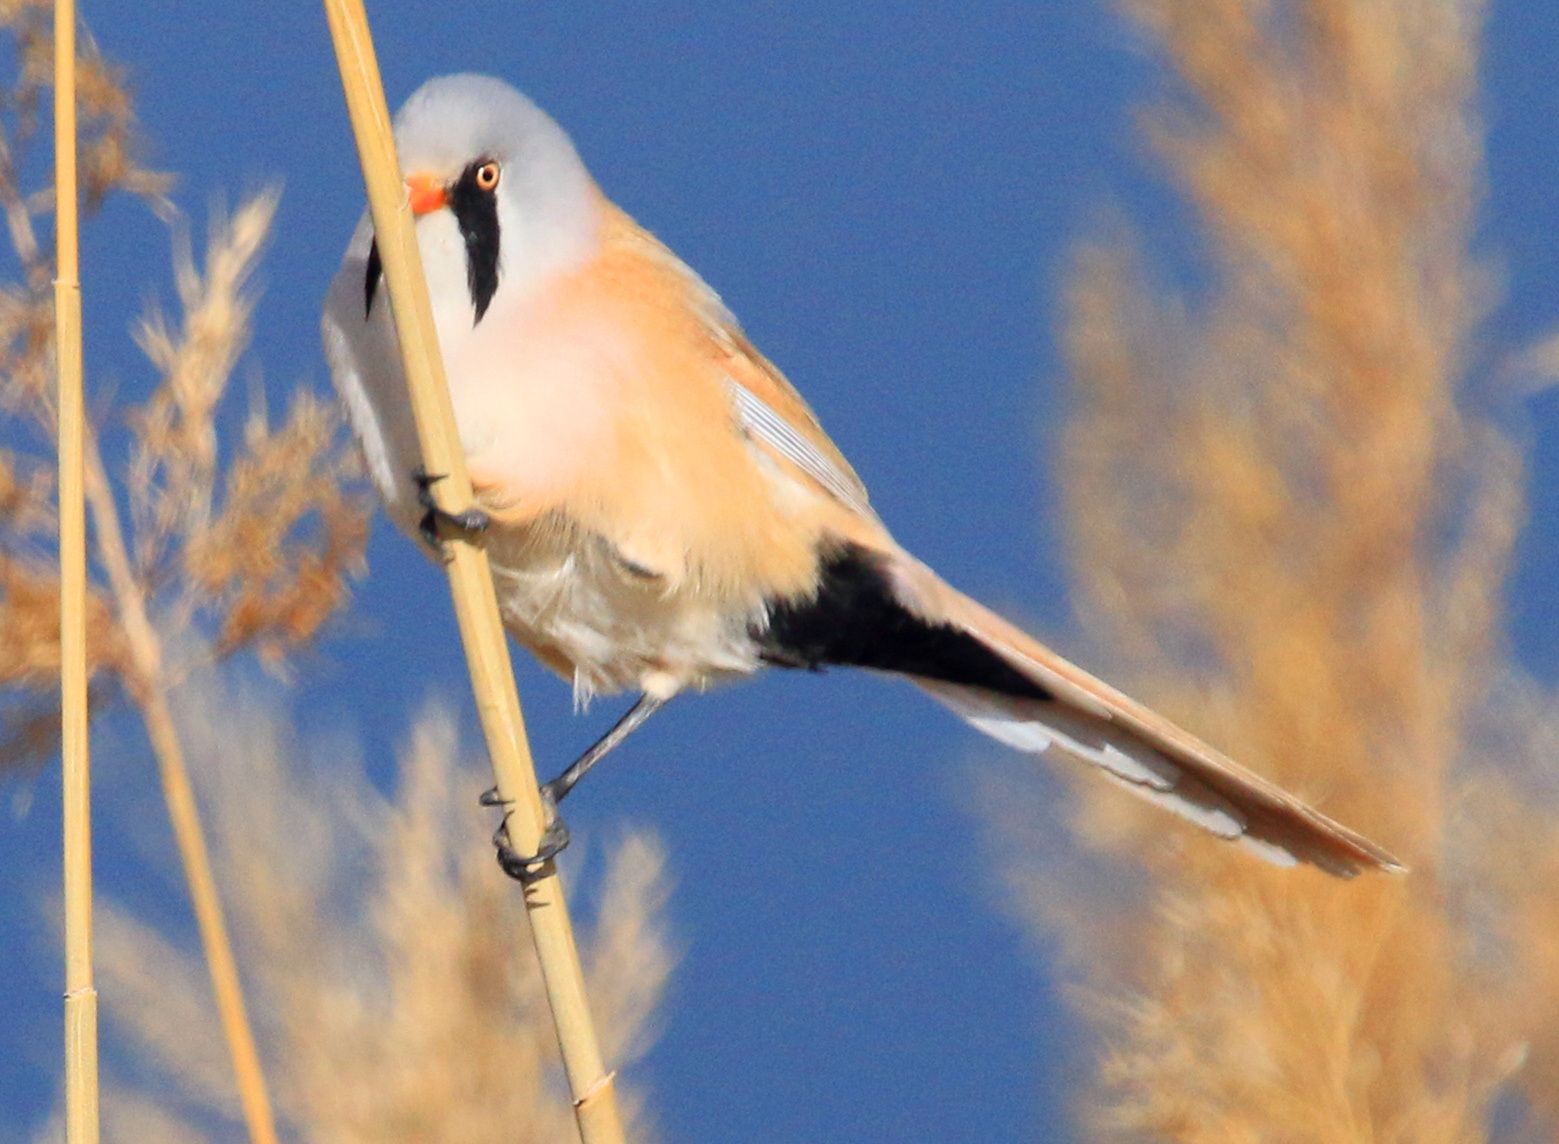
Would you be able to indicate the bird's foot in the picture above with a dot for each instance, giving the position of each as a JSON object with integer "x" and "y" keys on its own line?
{"x": 528, "y": 869}
{"x": 437, "y": 523}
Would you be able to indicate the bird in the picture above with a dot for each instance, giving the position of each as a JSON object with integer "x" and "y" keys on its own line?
{"x": 662, "y": 510}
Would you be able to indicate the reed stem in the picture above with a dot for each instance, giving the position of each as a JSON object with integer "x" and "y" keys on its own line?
{"x": 82, "y": 482}
{"x": 476, "y": 605}
{"x": 81, "y": 1082}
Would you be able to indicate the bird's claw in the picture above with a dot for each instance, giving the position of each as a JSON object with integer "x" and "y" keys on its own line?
{"x": 528, "y": 869}
{"x": 438, "y": 522}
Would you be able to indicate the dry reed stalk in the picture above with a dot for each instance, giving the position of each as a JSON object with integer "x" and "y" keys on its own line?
{"x": 476, "y": 605}
{"x": 81, "y": 1068}
{"x": 1292, "y": 530}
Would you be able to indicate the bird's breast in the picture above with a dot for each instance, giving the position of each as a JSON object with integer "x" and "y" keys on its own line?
{"x": 600, "y": 402}
{"x": 536, "y": 405}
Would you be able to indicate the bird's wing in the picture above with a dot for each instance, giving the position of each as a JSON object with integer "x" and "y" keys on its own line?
{"x": 780, "y": 439}
{"x": 1087, "y": 719}
{"x": 779, "y": 421}
{"x": 765, "y": 406}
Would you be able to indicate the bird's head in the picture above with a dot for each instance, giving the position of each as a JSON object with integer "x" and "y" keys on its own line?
{"x": 501, "y": 197}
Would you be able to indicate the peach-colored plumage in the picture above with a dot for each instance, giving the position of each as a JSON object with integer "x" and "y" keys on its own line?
{"x": 668, "y": 476}
{"x": 666, "y": 511}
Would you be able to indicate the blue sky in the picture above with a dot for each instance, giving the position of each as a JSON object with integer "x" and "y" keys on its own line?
{"x": 886, "y": 195}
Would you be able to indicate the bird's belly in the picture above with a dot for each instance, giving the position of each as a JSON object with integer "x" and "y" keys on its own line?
{"x": 593, "y": 618}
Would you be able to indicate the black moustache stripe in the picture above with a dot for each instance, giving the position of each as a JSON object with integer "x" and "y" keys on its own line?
{"x": 371, "y": 283}
{"x": 476, "y": 212}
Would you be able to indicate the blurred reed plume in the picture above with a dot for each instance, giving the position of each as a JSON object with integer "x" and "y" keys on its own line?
{"x": 379, "y": 941}
{"x": 1290, "y": 529}
{"x": 255, "y": 547}
{"x": 259, "y": 545}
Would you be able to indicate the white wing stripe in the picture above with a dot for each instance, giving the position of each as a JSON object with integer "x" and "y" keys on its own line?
{"x": 763, "y": 423}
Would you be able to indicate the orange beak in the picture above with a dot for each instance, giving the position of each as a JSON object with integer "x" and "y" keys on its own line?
{"x": 424, "y": 193}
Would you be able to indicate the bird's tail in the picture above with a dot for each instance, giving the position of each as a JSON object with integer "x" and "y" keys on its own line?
{"x": 884, "y": 610}
{"x": 1084, "y": 719}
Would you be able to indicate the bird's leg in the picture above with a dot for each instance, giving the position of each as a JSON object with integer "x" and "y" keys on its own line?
{"x": 436, "y": 521}
{"x": 557, "y": 790}
{"x": 528, "y": 869}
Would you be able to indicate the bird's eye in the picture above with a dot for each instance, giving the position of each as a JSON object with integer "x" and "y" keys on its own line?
{"x": 487, "y": 177}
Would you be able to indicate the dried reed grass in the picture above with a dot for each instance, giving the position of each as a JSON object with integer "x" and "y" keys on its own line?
{"x": 280, "y": 501}
{"x": 380, "y": 941}
{"x": 1291, "y": 531}
{"x": 259, "y": 546}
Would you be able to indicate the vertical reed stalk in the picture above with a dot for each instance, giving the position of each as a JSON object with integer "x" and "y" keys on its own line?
{"x": 84, "y": 482}
{"x": 487, "y": 653}
{"x": 81, "y": 1088}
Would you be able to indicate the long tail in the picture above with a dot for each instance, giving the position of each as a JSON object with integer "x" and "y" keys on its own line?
{"x": 884, "y": 610}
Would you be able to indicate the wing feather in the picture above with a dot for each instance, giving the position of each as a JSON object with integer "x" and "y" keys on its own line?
{"x": 777, "y": 436}
{"x": 765, "y": 406}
